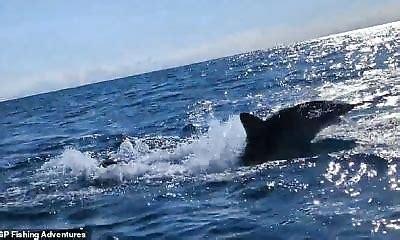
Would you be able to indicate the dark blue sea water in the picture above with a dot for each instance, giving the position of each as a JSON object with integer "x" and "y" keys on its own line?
{"x": 172, "y": 183}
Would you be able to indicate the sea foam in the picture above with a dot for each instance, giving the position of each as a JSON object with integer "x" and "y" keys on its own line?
{"x": 212, "y": 152}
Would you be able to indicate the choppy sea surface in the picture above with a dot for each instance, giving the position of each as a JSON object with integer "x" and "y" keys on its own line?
{"x": 173, "y": 181}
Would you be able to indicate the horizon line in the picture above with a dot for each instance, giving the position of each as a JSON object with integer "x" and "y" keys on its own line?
{"x": 199, "y": 62}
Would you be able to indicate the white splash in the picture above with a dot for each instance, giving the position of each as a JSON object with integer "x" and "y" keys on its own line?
{"x": 218, "y": 149}
{"x": 215, "y": 151}
{"x": 72, "y": 160}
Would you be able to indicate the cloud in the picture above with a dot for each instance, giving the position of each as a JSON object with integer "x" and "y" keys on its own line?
{"x": 249, "y": 40}
{"x": 259, "y": 39}
{"x": 62, "y": 79}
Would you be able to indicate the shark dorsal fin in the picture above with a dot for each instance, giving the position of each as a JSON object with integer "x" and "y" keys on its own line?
{"x": 252, "y": 125}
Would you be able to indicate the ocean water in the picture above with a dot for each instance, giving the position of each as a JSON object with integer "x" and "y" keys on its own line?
{"x": 173, "y": 181}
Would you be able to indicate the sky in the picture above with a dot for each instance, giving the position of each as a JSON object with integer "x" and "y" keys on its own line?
{"x": 47, "y": 45}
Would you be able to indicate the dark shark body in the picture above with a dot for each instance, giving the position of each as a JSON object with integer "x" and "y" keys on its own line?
{"x": 288, "y": 133}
